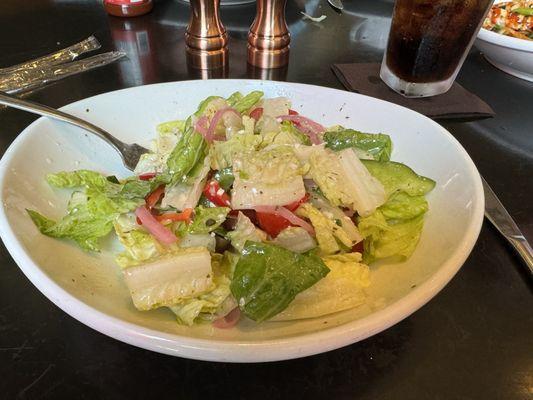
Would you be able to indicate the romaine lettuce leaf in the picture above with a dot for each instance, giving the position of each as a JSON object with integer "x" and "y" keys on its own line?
{"x": 90, "y": 214}
{"x": 287, "y": 135}
{"x": 234, "y": 98}
{"x": 295, "y": 239}
{"x": 170, "y": 279}
{"x": 244, "y": 104}
{"x": 208, "y": 306}
{"x": 245, "y": 231}
{"x": 341, "y": 289}
{"x": 395, "y": 176}
{"x": 385, "y": 239}
{"x": 223, "y": 153}
{"x": 267, "y": 278}
{"x": 345, "y": 181}
{"x": 329, "y": 234}
{"x": 378, "y": 146}
{"x": 190, "y": 150}
{"x": 207, "y": 219}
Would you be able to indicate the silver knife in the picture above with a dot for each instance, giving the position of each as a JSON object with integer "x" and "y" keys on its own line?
{"x": 336, "y": 4}
{"x": 500, "y": 218}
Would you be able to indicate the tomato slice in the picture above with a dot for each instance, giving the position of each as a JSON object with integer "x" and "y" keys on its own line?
{"x": 147, "y": 176}
{"x": 216, "y": 195}
{"x": 256, "y": 113}
{"x": 153, "y": 198}
{"x": 272, "y": 224}
{"x": 292, "y": 112}
{"x": 295, "y": 204}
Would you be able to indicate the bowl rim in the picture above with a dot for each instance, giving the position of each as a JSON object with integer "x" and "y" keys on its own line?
{"x": 294, "y": 346}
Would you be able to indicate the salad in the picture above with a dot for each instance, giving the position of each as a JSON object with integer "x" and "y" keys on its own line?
{"x": 247, "y": 208}
{"x": 511, "y": 18}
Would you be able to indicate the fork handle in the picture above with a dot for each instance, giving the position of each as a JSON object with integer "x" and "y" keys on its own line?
{"x": 40, "y": 109}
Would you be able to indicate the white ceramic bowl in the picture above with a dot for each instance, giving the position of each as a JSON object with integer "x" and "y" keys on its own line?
{"x": 89, "y": 286}
{"x": 511, "y": 55}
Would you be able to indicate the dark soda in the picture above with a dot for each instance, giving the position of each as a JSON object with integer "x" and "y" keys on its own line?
{"x": 429, "y": 38}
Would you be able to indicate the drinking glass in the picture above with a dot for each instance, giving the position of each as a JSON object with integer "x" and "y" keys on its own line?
{"x": 428, "y": 42}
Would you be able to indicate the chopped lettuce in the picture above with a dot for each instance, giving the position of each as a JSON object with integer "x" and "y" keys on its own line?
{"x": 330, "y": 235}
{"x": 234, "y": 98}
{"x": 171, "y": 127}
{"x": 267, "y": 278}
{"x": 276, "y": 106}
{"x": 245, "y": 231}
{"x": 90, "y": 214}
{"x": 345, "y": 181}
{"x": 223, "y": 153}
{"x": 190, "y": 150}
{"x": 224, "y": 177}
{"x": 394, "y": 229}
{"x": 385, "y": 239}
{"x": 183, "y": 195}
{"x": 295, "y": 239}
{"x": 139, "y": 244}
{"x": 206, "y": 240}
{"x": 270, "y": 177}
{"x": 395, "y": 176}
{"x": 206, "y": 105}
{"x": 208, "y": 306}
{"x": 287, "y": 135}
{"x": 206, "y": 219}
{"x": 341, "y": 289}
{"x": 375, "y": 146}
{"x": 167, "y": 280}
{"x": 245, "y": 103}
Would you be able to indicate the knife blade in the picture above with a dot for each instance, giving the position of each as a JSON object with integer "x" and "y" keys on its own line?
{"x": 336, "y": 4}
{"x": 504, "y": 223}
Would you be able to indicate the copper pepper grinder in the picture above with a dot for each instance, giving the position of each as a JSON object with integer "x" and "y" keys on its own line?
{"x": 269, "y": 37}
{"x": 206, "y": 38}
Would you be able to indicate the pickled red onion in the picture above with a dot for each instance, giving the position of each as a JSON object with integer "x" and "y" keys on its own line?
{"x": 210, "y": 135}
{"x": 202, "y": 129}
{"x": 306, "y": 125}
{"x": 160, "y": 232}
{"x": 229, "y": 320}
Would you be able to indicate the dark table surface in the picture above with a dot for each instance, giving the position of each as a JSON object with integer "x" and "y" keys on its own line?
{"x": 474, "y": 340}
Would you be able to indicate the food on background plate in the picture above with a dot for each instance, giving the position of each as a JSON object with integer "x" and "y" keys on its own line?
{"x": 511, "y": 18}
{"x": 248, "y": 208}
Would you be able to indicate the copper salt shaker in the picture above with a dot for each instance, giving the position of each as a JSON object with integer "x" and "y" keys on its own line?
{"x": 269, "y": 37}
{"x": 206, "y": 38}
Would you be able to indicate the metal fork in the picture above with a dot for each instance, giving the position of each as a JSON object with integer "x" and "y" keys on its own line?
{"x": 130, "y": 153}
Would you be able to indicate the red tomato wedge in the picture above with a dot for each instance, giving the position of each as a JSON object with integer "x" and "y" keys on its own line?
{"x": 153, "y": 198}
{"x": 272, "y": 224}
{"x": 147, "y": 176}
{"x": 216, "y": 195}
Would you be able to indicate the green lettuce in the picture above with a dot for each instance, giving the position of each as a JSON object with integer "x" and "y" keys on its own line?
{"x": 208, "y": 306}
{"x": 377, "y": 146}
{"x": 394, "y": 229}
{"x": 91, "y": 213}
{"x": 223, "y": 153}
{"x": 189, "y": 152}
{"x": 288, "y": 135}
{"x": 234, "y": 98}
{"x": 206, "y": 220}
{"x": 244, "y": 231}
{"x": 267, "y": 278}
{"x": 245, "y": 103}
{"x": 395, "y": 176}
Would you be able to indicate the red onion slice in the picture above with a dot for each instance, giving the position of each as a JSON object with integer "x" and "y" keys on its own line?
{"x": 160, "y": 232}
{"x": 229, "y": 320}
{"x": 202, "y": 128}
{"x": 306, "y": 125}
{"x": 215, "y": 120}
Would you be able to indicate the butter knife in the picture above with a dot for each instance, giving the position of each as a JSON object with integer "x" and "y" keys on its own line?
{"x": 500, "y": 218}
{"x": 336, "y": 4}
